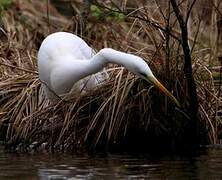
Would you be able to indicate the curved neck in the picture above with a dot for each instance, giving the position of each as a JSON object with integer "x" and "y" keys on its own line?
{"x": 108, "y": 55}
{"x": 117, "y": 57}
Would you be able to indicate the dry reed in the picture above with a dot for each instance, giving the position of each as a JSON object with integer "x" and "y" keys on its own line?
{"x": 116, "y": 114}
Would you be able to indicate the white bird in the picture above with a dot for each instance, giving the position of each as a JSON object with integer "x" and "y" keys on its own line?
{"x": 64, "y": 59}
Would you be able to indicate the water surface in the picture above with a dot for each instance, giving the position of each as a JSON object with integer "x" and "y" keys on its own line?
{"x": 206, "y": 165}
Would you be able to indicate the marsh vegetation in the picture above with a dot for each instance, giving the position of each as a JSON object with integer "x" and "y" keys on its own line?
{"x": 125, "y": 112}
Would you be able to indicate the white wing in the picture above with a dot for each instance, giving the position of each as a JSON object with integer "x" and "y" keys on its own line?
{"x": 63, "y": 43}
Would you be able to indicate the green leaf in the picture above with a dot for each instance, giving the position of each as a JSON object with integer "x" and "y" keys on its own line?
{"x": 4, "y": 4}
{"x": 106, "y": 14}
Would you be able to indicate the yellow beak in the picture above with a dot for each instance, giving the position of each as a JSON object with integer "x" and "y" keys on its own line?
{"x": 154, "y": 81}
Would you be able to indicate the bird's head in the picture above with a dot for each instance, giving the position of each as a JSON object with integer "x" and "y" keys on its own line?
{"x": 136, "y": 65}
{"x": 141, "y": 68}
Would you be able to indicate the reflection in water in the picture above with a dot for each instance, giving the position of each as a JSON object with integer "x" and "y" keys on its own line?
{"x": 207, "y": 165}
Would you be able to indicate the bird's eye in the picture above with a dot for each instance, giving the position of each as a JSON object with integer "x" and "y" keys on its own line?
{"x": 143, "y": 75}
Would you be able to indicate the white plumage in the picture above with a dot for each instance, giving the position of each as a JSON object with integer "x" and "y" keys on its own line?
{"x": 67, "y": 64}
{"x": 63, "y": 53}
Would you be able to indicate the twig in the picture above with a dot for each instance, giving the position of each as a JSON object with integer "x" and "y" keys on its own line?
{"x": 152, "y": 23}
{"x": 19, "y": 68}
{"x": 47, "y": 11}
{"x": 191, "y": 84}
{"x": 189, "y": 11}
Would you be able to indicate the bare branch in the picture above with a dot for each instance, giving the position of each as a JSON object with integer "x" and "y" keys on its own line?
{"x": 130, "y": 15}
{"x": 191, "y": 84}
{"x": 189, "y": 11}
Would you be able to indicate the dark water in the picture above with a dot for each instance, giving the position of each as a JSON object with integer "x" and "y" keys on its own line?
{"x": 205, "y": 165}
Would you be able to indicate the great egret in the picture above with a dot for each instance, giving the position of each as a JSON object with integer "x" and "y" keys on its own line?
{"x": 64, "y": 59}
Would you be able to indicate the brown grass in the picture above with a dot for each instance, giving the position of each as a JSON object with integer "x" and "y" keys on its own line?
{"x": 116, "y": 114}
